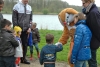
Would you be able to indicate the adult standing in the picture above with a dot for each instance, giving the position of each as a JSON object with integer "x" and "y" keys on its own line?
{"x": 22, "y": 17}
{"x": 1, "y": 7}
{"x": 93, "y": 21}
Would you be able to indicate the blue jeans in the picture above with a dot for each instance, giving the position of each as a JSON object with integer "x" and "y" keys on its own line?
{"x": 36, "y": 47}
{"x": 7, "y": 61}
{"x": 80, "y": 63}
{"x": 49, "y": 65}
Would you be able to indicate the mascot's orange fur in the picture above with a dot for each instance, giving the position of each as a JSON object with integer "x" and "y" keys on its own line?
{"x": 69, "y": 28}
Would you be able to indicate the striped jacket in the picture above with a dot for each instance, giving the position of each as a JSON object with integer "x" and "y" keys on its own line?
{"x": 22, "y": 17}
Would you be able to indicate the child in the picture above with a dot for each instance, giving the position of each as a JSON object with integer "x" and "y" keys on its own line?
{"x": 81, "y": 50}
{"x": 36, "y": 39}
{"x": 48, "y": 52}
{"x": 19, "y": 53}
{"x": 8, "y": 43}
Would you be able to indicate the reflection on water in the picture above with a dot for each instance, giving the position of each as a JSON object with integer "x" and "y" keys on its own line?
{"x": 50, "y": 22}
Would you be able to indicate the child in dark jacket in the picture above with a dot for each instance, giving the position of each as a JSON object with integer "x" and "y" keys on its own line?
{"x": 81, "y": 50}
{"x": 8, "y": 43}
{"x": 36, "y": 40}
{"x": 48, "y": 52}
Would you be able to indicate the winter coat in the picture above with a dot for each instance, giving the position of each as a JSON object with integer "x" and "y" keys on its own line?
{"x": 93, "y": 22}
{"x": 81, "y": 49}
{"x": 35, "y": 35}
{"x": 18, "y": 50}
{"x": 8, "y": 43}
{"x": 48, "y": 53}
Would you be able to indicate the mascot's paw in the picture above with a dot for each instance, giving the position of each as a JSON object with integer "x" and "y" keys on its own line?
{"x": 58, "y": 43}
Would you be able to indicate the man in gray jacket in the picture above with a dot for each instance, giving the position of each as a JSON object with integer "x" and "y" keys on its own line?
{"x": 22, "y": 17}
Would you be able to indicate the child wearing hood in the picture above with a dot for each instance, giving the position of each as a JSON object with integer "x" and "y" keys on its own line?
{"x": 18, "y": 50}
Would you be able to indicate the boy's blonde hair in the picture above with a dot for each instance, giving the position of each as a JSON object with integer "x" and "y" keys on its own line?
{"x": 34, "y": 24}
{"x": 80, "y": 16}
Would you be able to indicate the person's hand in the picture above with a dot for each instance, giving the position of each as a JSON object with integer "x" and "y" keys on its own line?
{"x": 29, "y": 30}
{"x": 58, "y": 43}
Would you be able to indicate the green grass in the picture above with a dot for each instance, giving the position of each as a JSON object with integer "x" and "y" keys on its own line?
{"x": 61, "y": 56}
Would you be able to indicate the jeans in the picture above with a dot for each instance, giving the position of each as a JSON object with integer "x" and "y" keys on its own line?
{"x": 36, "y": 47}
{"x": 49, "y": 64}
{"x": 80, "y": 63}
{"x": 93, "y": 62}
{"x": 7, "y": 61}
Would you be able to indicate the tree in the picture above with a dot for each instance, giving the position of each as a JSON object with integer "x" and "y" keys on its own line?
{"x": 41, "y": 6}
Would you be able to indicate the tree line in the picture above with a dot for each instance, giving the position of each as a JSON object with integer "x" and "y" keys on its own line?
{"x": 41, "y": 6}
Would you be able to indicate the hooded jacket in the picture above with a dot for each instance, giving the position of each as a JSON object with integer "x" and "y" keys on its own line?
{"x": 20, "y": 17}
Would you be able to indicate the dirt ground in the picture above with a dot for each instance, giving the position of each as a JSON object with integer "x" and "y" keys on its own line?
{"x": 35, "y": 63}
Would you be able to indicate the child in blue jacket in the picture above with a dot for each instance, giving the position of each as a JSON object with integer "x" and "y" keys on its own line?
{"x": 48, "y": 52}
{"x": 81, "y": 50}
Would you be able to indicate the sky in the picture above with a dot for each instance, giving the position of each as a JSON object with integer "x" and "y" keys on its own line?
{"x": 79, "y": 3}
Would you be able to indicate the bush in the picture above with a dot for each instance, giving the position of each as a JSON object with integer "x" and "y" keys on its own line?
{"x": 45, "y": 11}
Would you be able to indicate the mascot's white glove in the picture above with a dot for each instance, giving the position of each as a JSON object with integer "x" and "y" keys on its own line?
{"x": 58, "y": 43}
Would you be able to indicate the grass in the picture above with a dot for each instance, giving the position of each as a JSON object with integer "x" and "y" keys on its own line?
{"x": 61, "y": 56}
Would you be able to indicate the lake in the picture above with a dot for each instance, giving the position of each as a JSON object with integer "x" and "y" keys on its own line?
{"x": 50, "y": 22}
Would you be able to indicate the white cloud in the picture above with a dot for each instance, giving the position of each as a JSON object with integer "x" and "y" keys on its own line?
{"x": 79, "y": 3}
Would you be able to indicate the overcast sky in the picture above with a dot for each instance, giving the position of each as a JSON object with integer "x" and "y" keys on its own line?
{"x": 79, "y": 3}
